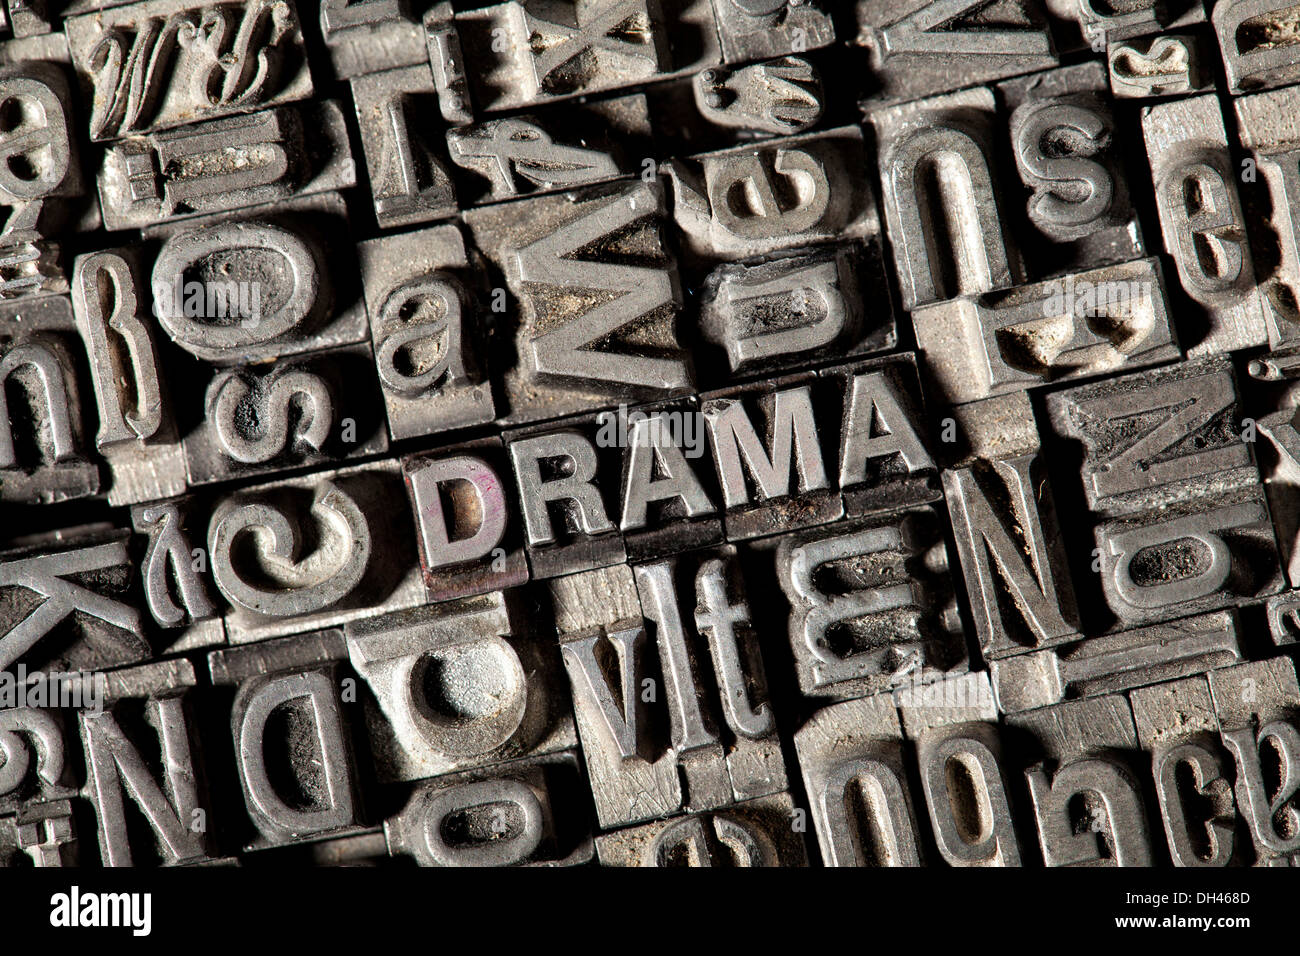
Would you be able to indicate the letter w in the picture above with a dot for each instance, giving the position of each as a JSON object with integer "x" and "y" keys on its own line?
{"x": 627, "y": 293}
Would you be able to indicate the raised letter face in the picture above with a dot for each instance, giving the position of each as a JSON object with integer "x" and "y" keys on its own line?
{"x": 159, "y": 64}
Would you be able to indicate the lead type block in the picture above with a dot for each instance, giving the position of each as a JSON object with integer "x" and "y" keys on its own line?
{"x": 1114, "y": 318}
{"x": 315, "y": 551}
{"x": 870, "y": 606}
{"x": 758, "y": 833}
{"x": 208, "y": 77}
{"x": 1257, "y": 39}
{"x": 922, "y": 47}
{"x": 469, "y": 520}
{"x": 597, "y": 297}
{"x": 658, "y": 739}
{"x": 43, "y": 430}
{"x": 525, "y": 53}
{"x": 162, "y": 777}
{"x": 456, "y": 686}
{"x": 522, "y": 813}
{"x": 292, "y": 745}
{"x": 225, "y": 164}
{"x": 1006, "y": 531}
{"x": 1063, "y": 139}
{"x": 957, "y": 246}
{"x": 851, "y": 755}
{"x": 780, "y": 194}
{"x": 1204, "y": 226}
{"x": 1258, "y": 706}
{"x": 426, "y": 327}
{"x": 1087, "y": 800}
{"x": 1176, "y": 723}
{"x": 137, "y": 429}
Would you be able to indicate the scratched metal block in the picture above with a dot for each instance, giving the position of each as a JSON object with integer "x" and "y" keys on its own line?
{"x": 39, "y": 744}
{"x": 1158, "y": 66}
{"x": 176, "y": 576}
{"x": 757, "y": 833}
{"x": 1256, "y": 693}
{"x": 1189, "y": 558}
{"x": 406, "y": 158}
{"x": 234, "y": 59}
{"x": 954, "y": 699}
{"x": 562, "y": 148}
{"x": 291, "y": 735}
{"x": 1064, "y": 732}
{"x": 1284, "y": 618}
{"x": 1258, "y": 706}
{"x": 793, "y": 310}
{"x": 871, "y": 604}
{"x": 143, "y": 747}
{"x": 968, "y": 748}
{"x": 758, "y": 29}
{"x": 851, "y": 756}
{"x": 781, "y": 194}
{"x": 1105, "y": 320}
{"x": 1006, "y": 530}
{"x": 1177, "y": 725}
{"x": 780, "y": 97}
{"x": 313, "y": 409}
{"x": 525, "y": 52}
{"x": 657, "y": 737}
{"x": 67, "y": 602}
{"x": 42, "y": 835}
{"x": 470, "y": 526}
{"x": 456, "y": 686}
{"x": 1076, "y": 195}
{"x": 225, "y": 164}
{"x": 596, "y": 298}
{"x": 922, "y": 47}
{"x": 523, "y": 813}
{"x": 426, "y": 325}
{"x": 314, "y": 552}
{"x": 1259, "y": 44}
{"x": 44, "y": 441}
{"x": 567, "y": 477}
{"x": 767, "y": 450}
{"x": 41, "y": 178}
{"x": 371, "y": 36}
{"x": 1266, "y": 123}
{"x": 1204, "y": 226}
{"x": 943, "y": 205}
{"x": 1158, "y": 438}
{"x": 137, "y": 433}
{"x": 885, "y": 460}
{"x": 1086, "y": 794}
{"x": 257, "y": 284}
{"x": 1117, "y": 662}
